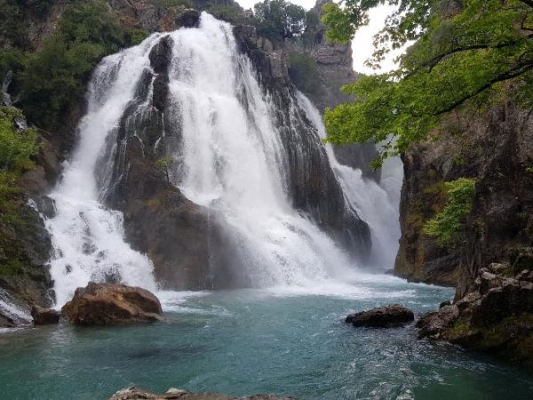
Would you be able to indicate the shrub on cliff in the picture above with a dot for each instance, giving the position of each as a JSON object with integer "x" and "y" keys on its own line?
{"x": 17, "y": 147}
{"x": 56, "y": 76}
{"x": 303, "y": 73}
{"x": 448, "y": 226}
{"x": 278, "y": 19}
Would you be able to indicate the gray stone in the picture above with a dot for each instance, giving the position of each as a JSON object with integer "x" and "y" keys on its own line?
{"x": 382, "y": 317}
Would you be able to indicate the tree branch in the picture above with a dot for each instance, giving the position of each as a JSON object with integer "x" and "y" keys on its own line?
{"x": 513, "y": 73}
{"x": 432, "y": 63}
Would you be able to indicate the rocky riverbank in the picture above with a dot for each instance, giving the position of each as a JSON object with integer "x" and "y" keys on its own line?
{"x": 496, "y": 316}
{"x": 134, "y": 393}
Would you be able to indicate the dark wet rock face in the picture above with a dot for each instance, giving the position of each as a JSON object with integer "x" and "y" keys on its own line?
{"x": 496, "y": 149}
{"x": 389, "y": 316}
{"x": 108, "y": 304}
{"x": 496, "y": 316}
{"x": 134, "y": 393}
{"x": 25, "y": 249}
{"x": 44, "y": 316}
{"x": 312, "y": 185}
{"x": 183, "y": 238}
{"x": 334, "y": 69}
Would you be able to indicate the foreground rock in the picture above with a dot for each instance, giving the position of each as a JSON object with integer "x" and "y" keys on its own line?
{"x": 496, "y": 316}
{"x": 382, "y": 317}
{"x": 107, "y": 304}
{"x": 138, "y": 394}
{"x": 44, "y": 316}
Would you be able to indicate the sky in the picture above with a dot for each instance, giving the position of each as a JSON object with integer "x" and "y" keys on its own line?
{"x": 362, "y": 43}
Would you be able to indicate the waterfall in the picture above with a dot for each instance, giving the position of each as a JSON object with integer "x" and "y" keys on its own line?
{"x": 233, "y": 163}
{"x": 233, "y": 154}
{"x": 377, "y": 204}
{"x": 87, "y": 237}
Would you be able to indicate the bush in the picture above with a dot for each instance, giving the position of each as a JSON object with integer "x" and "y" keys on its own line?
{"x": 173, "y": 3}
{"x": 448, "y": 226}
{"x": 16, "y": 146}
{"x": 228, "y": 13}
{"x": 10, "y": 59}
{"x": 303, "y": 73}
{"x": 57, "y": 75}
{"x": 278, "y": 19}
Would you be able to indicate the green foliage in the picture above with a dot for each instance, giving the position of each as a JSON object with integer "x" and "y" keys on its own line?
{"x": 227, "y": 13}
{"x": 311, "y": 29}
{"x": 135, "y": 36}
{"x": 15, "y": 22}
{"x": 164, "y": 162}
{"x": 465, "y": 56}
{"x": 10, "y": 59}
{"x": 303, "y": 72}
{"x": 173, "y": 3}
{"x": 278, "y": 19}
{"x": 56, "y": 76}
{"x": 447, "y": 227}
{"x": 16, "y": 146}
{"x": 16, "y": 149}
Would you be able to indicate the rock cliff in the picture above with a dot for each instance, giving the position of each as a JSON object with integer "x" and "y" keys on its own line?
{"x": 491, "y": 267}
{"x": 334, "y": 69}
{"x": 494, "y": 147}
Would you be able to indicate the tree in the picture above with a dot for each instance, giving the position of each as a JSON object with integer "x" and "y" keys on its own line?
{"x": 56, "y": 76}
{"x": 278, "y": 19}
{"x": 466, "y": 54}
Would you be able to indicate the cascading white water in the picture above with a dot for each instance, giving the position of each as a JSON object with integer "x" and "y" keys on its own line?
{"x": 232, "y": 157}
{"x": 88, "y": 239}
{"x": 231, "y": 161}
{"x": 377, "y": 205}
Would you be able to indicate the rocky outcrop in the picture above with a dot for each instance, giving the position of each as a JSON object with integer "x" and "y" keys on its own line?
{"x": 187, "y": 242}
{"x": 495, "y": 316}
{"x": 107, "y": 304}
{"x": 495, "y": 148}
{"x": 334, "y": 69}
{"x": 134, "y": 393}
{"x": 393, "y": 315}
{"x": 25, "y": 248}
{"x": 44, "y": 316}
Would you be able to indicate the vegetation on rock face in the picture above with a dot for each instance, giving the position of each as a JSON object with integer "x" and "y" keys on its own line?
{"x": 278, "y": 19}
{"x": 448, "y": 226}
{"x": 56, "y": 76}
{"x": 17, "y": 146}
{"x": 303, "y": 73}
{"x": 466, "y": 53}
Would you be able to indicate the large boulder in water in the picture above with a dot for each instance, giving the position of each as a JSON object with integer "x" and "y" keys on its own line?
{"x": 134, "y": 393}
{"x": 44, "y": 316}
{"x": 106, "y": 304}
{"x": 382, "y": 317}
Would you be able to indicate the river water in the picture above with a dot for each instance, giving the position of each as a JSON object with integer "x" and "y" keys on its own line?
{"x": 284, "y": 341}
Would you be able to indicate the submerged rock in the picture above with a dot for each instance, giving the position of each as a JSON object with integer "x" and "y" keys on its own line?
{"x": 106, "y": 304}
{"x": 134, "y": 393}
{"x": 382, "y": 317}
{"x": 44, "y": 316}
